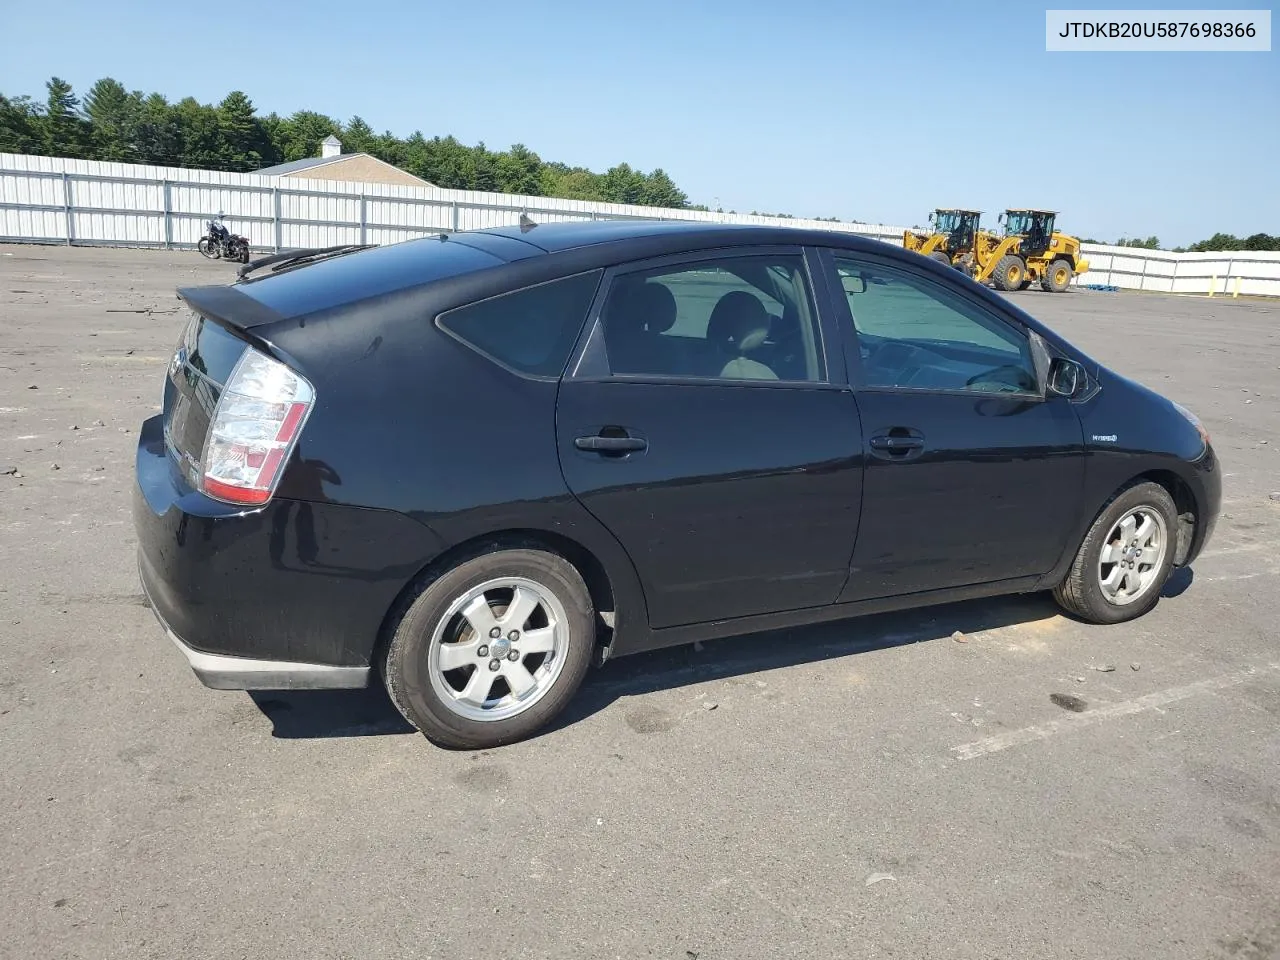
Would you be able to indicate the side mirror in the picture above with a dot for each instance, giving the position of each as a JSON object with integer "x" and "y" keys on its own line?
{"x": 853, "y": 282}
{"x": 1066, "y": 377}
{"x": 931, "y": 218}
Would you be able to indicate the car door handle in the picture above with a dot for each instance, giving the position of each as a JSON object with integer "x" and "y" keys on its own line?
{"x": 897, "y": 444}
{"x": 598, "y": 444}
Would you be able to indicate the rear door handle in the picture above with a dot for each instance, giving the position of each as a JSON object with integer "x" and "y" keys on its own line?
{"x": 897, "y": 444}
{"x": 598, "y": 444}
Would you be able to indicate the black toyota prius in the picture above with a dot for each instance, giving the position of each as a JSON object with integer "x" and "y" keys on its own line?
{"x": 470, "y": 466}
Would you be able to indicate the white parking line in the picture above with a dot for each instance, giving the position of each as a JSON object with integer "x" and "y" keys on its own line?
{"x": 1042, "y": 731}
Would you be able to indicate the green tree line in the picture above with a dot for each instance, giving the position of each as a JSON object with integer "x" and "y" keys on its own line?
{"x": 114, "y": 123}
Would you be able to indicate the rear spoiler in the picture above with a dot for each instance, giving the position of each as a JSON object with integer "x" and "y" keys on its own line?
{"x": 228, "y": 307}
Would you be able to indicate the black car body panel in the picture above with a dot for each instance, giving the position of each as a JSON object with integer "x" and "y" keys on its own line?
{"x": 296, "y": 580}
{"x": 420, "y": 448}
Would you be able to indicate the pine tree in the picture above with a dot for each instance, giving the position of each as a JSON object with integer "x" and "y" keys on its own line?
{"x": 661, "y": 191}
{"x": 19, "y": 125}
{"x": 243, "y": 144}
{"x": 113, "y": 114}
{"x": 65, "y": 132}
{"x": 157, "y": 135}
{"x": 518, "y": 171}
{"x": 357, "y": 137}
{"x": 624, "y": 185}
{"x": 300, "y": 134}
{"x": 202, "y": 142}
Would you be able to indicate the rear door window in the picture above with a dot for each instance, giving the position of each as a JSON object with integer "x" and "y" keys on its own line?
{"x": 730, "y": 318}
{"x": 531, "y": 331}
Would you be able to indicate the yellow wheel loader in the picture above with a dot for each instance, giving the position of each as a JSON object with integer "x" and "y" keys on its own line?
{"x": 1028, "y": 251}
{"x": 951, "y": 237}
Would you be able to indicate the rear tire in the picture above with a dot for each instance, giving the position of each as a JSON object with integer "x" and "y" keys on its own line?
{"x": 1126, "y": 582}
{"x": 1057, "y": 276}
{"x": 457, "y": 682}
{"x": 209, "y": 249}
{"x": 941, "y": 257}
{"x": 1009, "y": 273}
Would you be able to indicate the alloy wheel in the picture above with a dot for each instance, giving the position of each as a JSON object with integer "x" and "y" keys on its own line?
{"x": 498, "y": 649}
{"x": 1133, "y": 555}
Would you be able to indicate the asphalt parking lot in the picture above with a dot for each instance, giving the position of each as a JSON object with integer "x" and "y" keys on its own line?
{"x": 868, "y": 788}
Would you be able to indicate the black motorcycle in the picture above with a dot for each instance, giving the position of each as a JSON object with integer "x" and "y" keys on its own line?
{"x": 221, "y": 244}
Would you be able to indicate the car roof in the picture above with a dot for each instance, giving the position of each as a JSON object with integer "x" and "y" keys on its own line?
{"x": 682, "y": 234}
{"x": 506, "y": 255}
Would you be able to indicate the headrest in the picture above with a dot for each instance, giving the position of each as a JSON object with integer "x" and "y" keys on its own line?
{"x": 739, "y": 321}
{"x": 636, "y": 307}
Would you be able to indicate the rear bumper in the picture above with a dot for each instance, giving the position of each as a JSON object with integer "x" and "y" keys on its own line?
{"x": 1082, "y": 266}
{"x": 221, "y": 672}
{"x": 289, "y": 595}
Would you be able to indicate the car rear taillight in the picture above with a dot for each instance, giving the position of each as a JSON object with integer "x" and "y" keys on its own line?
{"x": 258, "y": 419}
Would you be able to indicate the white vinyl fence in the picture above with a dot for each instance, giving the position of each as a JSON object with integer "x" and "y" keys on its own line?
{"x": 58, "y": 200}
{"x": 1243, "y": 272}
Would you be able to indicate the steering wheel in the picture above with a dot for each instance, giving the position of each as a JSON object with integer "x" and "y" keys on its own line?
{"x": 1003, "y": 379}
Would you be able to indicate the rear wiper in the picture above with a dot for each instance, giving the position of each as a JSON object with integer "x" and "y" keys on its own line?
{"x": 295, "y": 258}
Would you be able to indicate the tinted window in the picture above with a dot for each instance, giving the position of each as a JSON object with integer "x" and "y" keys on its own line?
{"x": 368, "y": 273}
{"x": 913, "y": 333}
{"x": 739, "y": 318}
{"x": 531, "y": 330}
{"x": 211, "y": 349}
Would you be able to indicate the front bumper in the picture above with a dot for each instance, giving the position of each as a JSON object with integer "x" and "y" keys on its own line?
{"x": 220, "y": 672}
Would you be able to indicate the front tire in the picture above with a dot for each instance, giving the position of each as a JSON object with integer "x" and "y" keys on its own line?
{"x": 209, "y": 249}
{"x": 492, "y": 650}
{"x": 1057, "y": 277}
{"x": 1125, "y": 558}
{"x": 1009, "y": 273}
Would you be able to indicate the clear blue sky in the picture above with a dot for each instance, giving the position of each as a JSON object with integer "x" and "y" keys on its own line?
{"x": 873, "y": 111}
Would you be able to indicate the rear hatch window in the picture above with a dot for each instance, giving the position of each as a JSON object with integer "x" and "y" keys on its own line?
{"x": 201, "y": 366}
{"x": 365, "y": 274}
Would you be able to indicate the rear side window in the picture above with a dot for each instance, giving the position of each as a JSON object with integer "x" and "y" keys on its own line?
{"x": 531, "y": 330}
{"x": 731, "y": 318}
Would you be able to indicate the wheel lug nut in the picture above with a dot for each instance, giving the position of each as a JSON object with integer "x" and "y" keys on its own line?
{"x": 494, "y": 664}
{"x": 495, "y": 633}
{"x": 513, "y": 636}
{"x": 513, "y": 656}
{"x": 482, "y": 652}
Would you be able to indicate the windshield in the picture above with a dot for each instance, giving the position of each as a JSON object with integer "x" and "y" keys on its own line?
{"x": 1019, "y": 223}
{"x": 946, "y": 221}
{"x": 1024, "y": 222}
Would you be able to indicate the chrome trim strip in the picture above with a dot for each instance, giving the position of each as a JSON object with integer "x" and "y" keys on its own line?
{"x": 220, "y": 672}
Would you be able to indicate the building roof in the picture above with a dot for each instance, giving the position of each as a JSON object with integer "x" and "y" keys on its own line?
{"x": 360, "y": 166}
{"x": 293, "y": 166}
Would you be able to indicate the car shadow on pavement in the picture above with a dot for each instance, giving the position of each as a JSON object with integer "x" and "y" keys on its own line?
{"x": 309, "y": 714}
{"x": 761, "y": 652}
{"x": 1179, "y": 581}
